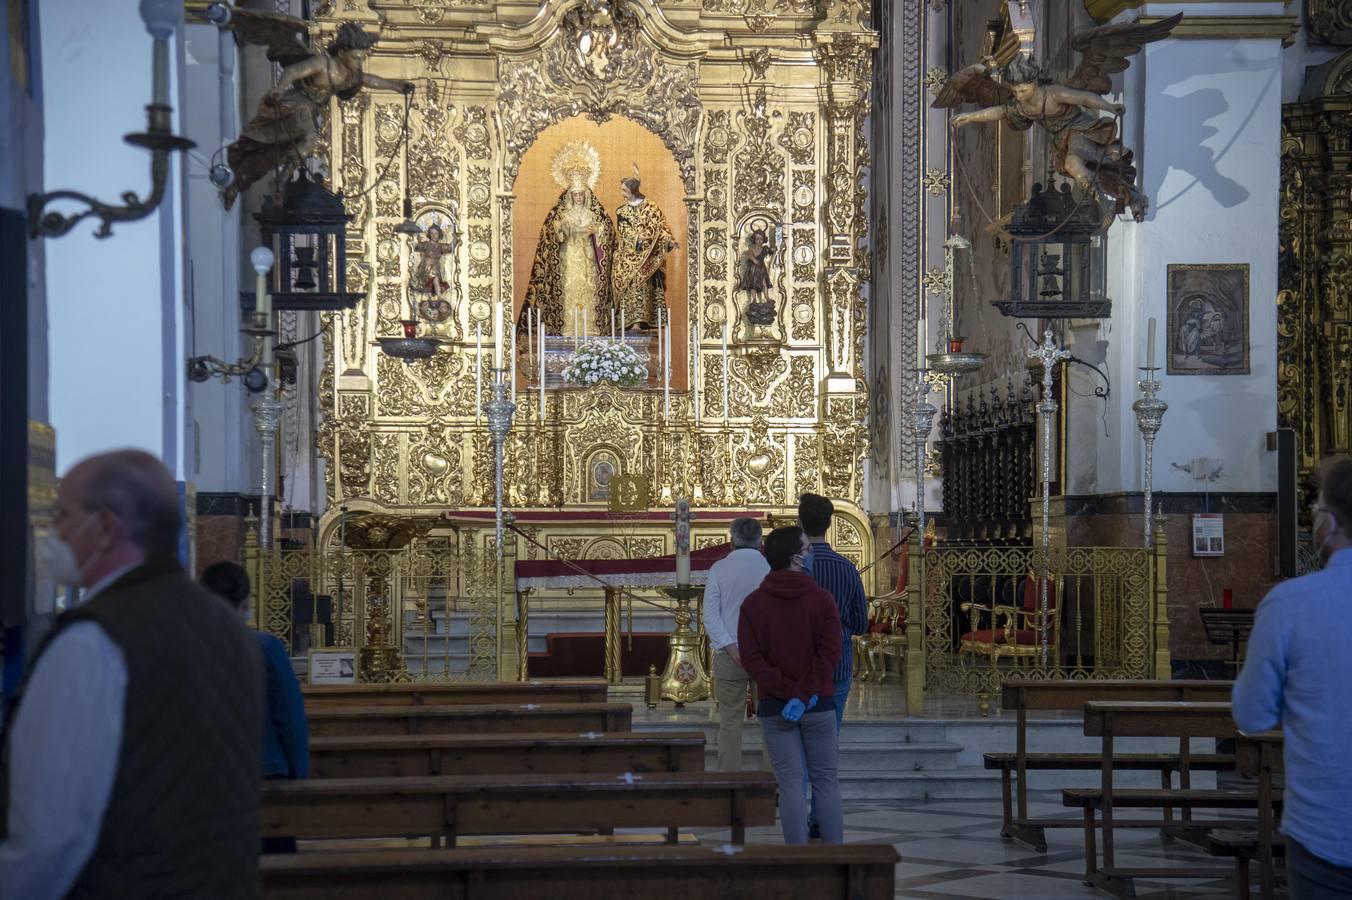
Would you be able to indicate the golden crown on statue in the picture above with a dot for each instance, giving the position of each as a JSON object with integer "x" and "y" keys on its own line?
{"x": 577, "y": 166}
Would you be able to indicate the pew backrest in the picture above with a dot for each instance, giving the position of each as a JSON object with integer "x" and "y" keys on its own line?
{"x": 348, "y": 720}
{"x": 561, "y": 690}
{"x": 1023, "y": 693}
{"x": 1185, "y": 719}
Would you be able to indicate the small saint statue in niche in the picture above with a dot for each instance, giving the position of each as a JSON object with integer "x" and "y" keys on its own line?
{"x": 753, "y": 285}
{"x": 639, "y": 282}
{"x": 1085, "y": 146}
{"x": 284, "y": 129}
{"x": 431, "y": 284}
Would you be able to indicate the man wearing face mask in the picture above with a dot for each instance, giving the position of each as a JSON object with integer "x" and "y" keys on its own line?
{"x": 130, "y": 764}
{"x": 839, "y": 577}
{"x": 789, "y": 635}
{"x": 1296, "y": 672}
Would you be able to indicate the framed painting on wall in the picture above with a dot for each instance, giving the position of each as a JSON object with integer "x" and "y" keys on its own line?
{"x": 1208, "y": 319}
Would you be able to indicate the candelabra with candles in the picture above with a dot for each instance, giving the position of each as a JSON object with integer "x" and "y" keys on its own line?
{"x": 1149, "y": 411}
{"x": 499, "y": 411}
{"x": 1048, "y": 355}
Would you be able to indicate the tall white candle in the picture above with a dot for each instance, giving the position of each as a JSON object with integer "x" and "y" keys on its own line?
{"x": 478, "y": 371}
{"x": 262, "y": 300}
{"x": 530, "y": 340}
{"x": 659, "y": 338}
{"x": 1150, "y": 345}
{"x": 586, "y": 326}
{"x": 726, "y": 373}
{"x": 666, "y": 374}
{"x": 920, "y": 341}
{"x": 499, "y": 334}
{"x": 612, "y": 323}
{"x": 695, "y": 387}
{"x": 540, "y": 330}
{"x": 577, "y": 323}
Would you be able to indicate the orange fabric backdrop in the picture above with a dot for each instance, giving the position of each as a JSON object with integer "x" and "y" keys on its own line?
{"x": 621, "y": 143}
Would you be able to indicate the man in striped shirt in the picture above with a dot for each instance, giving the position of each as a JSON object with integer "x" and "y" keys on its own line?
{"x": 838, "y": 577}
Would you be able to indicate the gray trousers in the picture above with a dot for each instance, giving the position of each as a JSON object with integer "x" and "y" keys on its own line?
{"x": 731, "y": 682}
{"x": 812, "y": 739}
{"x": 1313, "y": 878}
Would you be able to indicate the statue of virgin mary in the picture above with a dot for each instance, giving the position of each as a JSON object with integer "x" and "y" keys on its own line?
{"x": 570, "y": 278}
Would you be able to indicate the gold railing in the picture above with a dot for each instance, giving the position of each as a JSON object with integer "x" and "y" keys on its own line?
{"x": 429, "y": 610}
{"x": 969, "y": 627}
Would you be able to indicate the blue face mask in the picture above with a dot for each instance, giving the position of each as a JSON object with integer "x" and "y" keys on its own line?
{"x": 807, "y": 562}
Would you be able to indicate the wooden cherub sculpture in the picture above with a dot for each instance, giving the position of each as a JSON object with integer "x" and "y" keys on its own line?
{"x": 1086, "y": 146}
{"x": 284, "y": 129}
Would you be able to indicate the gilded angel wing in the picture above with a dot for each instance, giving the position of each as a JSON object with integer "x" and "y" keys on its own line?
{"x": 971, "y": 85}
{"x": 1104, "y": 51}
{"x": 286, "y": 38}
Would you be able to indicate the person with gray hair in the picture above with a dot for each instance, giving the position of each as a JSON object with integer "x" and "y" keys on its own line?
{"x": 731, "y": 579}
{"x": 130, "y": 762}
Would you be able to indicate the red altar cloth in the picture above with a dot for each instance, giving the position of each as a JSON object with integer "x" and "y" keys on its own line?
{"x": 656, "y": 571}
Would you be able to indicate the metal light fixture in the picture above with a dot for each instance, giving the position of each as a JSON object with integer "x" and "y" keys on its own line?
{"x": 253, "y": 367}
{"x": 306, "y": 228}
{"x": 1057, "y": 258}
{"x": 161, "y": 19}
{"x": 953, "y": 361}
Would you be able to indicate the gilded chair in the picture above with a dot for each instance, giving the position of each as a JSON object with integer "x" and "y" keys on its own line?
{"x": 886, "y": 629}
{"x": 1002, "y": 629}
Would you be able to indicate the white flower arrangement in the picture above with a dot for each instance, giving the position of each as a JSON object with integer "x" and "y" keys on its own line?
{"x": 605, "y": 360}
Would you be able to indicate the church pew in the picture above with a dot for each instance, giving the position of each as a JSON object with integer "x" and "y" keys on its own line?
{"x": 411, "y": 756}
{"x": 1258, "y": 756}
{"x": 852, "y": 872}
{"x": 1184, "y": 720}
{"x": 562, "y": 690}
{"x": 447, "y": 807}
{"x": 1023, "y": 695}
{"x": 353, "y": 721}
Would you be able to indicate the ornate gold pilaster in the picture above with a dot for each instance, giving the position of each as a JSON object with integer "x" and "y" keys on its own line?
{"x": 1314, "y": 299}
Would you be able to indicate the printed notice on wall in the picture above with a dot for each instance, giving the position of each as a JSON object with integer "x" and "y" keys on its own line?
{"x": 333, "y": 666}
{"x": 1208, "y": 534}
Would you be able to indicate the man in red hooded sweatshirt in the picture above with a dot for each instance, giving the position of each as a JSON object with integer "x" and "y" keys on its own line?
{"x": 789, "y": 635}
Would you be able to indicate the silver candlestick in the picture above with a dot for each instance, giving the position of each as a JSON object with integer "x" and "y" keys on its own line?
{"x": 267, "y": 417}
{"x": 499, "y": 411}
{"x": 1149, "y": 416}
{"x": 1048, "y": 354}
{"x": 922, "y": 422}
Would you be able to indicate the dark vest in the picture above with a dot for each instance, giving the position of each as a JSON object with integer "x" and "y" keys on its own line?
{"x": 182, "y": 820}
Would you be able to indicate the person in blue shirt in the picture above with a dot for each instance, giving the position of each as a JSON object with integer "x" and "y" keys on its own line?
{"x": 1296, "y": 675}
{"x": 839, "y": 577}
{"x": 286, "y": 735}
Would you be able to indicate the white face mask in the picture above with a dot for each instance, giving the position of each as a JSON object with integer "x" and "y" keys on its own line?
{"x": 55, "y": 560}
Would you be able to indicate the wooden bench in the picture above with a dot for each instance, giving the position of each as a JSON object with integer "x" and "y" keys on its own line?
{"x": 1258, "y": 756}
{"x": 528, "y": 718}
{"x": 561, "y": 690}
{"x": 852, "y": 872}
{"x": 417, "y": 755}
{"x": 447, "y": 807}
{"x": 1022, "y": 695}
{"x": 1110, "y": 720}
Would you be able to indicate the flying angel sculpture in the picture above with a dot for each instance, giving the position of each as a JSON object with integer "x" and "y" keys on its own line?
{"x": 1086, "y": 146}
{"x": 286, "y": 126}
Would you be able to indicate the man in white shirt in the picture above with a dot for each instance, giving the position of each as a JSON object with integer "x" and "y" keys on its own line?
{"x": 731, "y": 579}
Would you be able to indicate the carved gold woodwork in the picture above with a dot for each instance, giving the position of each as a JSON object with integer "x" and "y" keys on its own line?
{"x": 1314, "y": 299}
{"x": 762, "y": 105}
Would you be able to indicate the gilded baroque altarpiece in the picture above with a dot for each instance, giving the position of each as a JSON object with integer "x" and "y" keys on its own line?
{"x": 762, "y": 106}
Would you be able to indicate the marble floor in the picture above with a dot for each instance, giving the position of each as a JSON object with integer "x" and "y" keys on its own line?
{"x": 952, "y": 848}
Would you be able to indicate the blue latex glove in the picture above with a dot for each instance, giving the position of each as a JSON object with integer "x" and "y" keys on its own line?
{"x": 812, "y": 702}
{"x": 793, "y": 710}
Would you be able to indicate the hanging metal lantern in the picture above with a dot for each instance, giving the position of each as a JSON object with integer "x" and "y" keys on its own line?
{"x": 307, "y": 231}
{"x": 1057, "y": 258}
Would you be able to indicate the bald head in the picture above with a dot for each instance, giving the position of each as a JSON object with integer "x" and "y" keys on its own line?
{"x": 133, "y": 488}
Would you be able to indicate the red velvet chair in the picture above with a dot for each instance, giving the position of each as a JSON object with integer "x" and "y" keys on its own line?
{"x": 1012, "y": 631}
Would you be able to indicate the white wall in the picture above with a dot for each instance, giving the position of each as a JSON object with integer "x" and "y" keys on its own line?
{"x": 115, "y": 306}
{"x": 220, "y": 420}
{"x": 1204, "y": 117}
